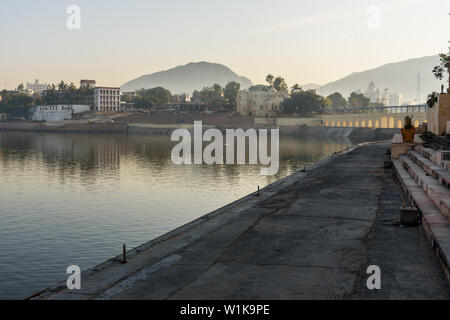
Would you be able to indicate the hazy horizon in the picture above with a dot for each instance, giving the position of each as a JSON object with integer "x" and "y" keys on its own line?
{"x": 303, "y": 41}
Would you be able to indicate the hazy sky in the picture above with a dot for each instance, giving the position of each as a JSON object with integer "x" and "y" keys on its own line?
{"x": 303, "y": 40}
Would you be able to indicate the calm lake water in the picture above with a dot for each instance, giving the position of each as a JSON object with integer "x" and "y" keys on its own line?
{"x": 76, "y": 198}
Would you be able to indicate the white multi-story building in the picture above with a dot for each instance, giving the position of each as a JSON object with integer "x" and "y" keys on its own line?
{"x": 37, "y": 87}
{"x": 260, "y": 103}
{"x": 106, "y": 99}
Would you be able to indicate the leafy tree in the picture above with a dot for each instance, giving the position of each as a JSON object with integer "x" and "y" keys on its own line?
{"x": 212, "y": 97}
{"x": 432, "y": 99}
{"x": 151, "y": 98}
{"x": 269, "y": 79}
{"x": 16, "y": 105}
{"x": 72, "y": 87}
{"x": 230, "y": 93}
{"x": 66, "y": 94}
{"x": 443, "y": 67}
{"x": 378, "y": 103}
{"x": 126, "y": 98}
{"x": 217, "y": 89}
{"x": 20, "y": 87}
{"x": 337, "y": 100}
{"x": 196, "y": 97}
{"x": 207, "y": 96}
{"x": 280, "y": 84}
{"x": 304, "y": 103}
{"x": 358, "y": 100}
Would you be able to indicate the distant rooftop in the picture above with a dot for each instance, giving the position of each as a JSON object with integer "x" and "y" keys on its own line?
{"x": 259, "y": 87}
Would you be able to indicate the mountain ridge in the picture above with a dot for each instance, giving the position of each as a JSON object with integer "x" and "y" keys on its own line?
{"x": 187, "y": 78}
{"x": 398, "y": 77}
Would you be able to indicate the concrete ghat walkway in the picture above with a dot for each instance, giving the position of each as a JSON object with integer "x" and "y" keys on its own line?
{"x": 310, "y": 236}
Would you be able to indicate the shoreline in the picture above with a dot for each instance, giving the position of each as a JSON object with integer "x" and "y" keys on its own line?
{"x": 59, "y": 291}
{"x": 359, "y": 134}
{"x": 310, "y": 235}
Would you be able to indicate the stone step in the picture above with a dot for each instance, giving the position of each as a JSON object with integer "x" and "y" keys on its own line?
{"x": 445, "y": 164}
{"x": 439, "y": 194}
{"x": 443, "y": 175}
{"x": 439, "y": 157}
{"x": 436, "y": 226}
{"x": 428, "y": 153}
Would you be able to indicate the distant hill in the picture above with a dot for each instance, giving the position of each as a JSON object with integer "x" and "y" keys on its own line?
{"x": 397, "y": 77}
{"x": 310, "y": 86}
{"x": 187, "y": 78}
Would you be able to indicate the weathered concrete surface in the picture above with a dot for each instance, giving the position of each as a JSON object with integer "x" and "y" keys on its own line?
{"x": 309, "y": 236}
{"x": 409, "y": 266}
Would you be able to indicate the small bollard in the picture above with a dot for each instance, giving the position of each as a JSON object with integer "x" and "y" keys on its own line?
{"x": 409, "y": 216}
{"x": 258, "y": 194}
{"x": 124, "y": 258}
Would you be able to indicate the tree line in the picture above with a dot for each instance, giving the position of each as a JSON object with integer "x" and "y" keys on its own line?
{"x": 17, "y": 103}
{"x": 64, "y": 93}
{"x": 216, "y": 97}
{"x": 307, "y": 102}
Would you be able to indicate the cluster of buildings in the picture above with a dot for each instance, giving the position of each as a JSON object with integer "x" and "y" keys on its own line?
{"x": 386, "y": 97}
{"x": 36, "y": 87}
{"x": 106, "y": 99}
{"x": 260, "y": 101}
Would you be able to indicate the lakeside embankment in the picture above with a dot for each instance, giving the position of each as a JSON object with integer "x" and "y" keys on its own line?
{"x": 311, "y": 235}
{"x": 65, "y": 126}
{"x": 357, "y": 134}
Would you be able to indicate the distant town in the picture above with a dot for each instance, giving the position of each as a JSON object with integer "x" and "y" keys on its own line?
{"x": 42, "y": 102}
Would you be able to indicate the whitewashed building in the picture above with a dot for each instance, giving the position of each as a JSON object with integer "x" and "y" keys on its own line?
{"x": 37, "y": 87}
{"x": 395, "y": 99}
{"x": 58, "y": 112}
{"x": 373, "y": 93}
{"x": 391, "y": 98}
{"x": 260, "y": 102}
{"x": 106, "y": 99}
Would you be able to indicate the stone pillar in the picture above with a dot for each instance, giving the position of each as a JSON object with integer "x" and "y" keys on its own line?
{"x": 438, "y": 116}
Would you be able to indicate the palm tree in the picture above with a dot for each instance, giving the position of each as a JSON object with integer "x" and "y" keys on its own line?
{"x": 296, "y": 87}
{"x": 62, "y": 86}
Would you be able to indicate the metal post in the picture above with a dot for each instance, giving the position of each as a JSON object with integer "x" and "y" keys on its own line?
{"x": 124, "y": 258}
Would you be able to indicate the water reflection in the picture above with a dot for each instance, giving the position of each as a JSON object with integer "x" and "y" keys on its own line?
{"x": 90, "y": 156}
{"x": 76, "y": 198}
